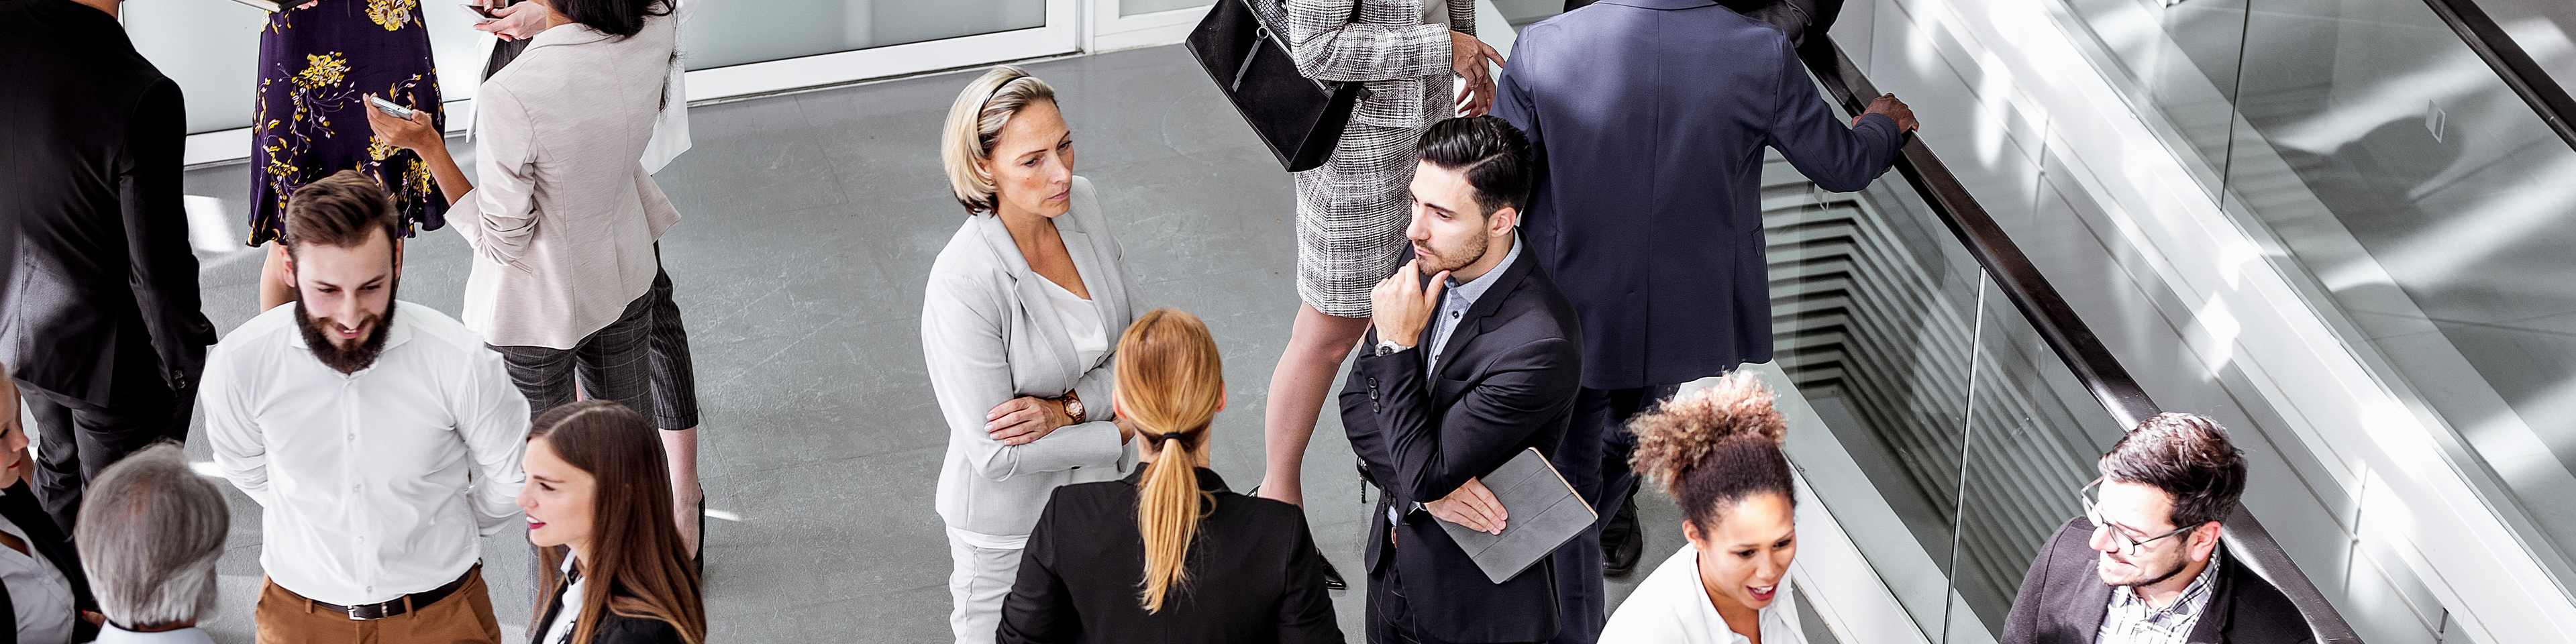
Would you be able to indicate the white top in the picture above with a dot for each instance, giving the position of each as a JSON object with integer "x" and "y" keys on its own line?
{"x": 364, "y": 476}
{"x": 560, "y": 631}
{"x": 1672, "y": 606}
{"x": 38, "y": 590}
{"x": 110, "y": 634}
{"x": 1081, "y": 323}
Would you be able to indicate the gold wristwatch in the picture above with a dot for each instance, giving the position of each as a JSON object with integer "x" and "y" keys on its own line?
{"x": 1072, "y": 407}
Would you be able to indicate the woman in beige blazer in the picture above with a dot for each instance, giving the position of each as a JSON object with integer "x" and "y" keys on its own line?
{"x": 562, "y": 214}
{"x": 1017, "y": 327}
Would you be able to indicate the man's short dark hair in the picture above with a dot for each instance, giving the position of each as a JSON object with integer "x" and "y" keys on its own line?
{"x": 1494, "y": 155}
{"x": 2189, "y": 458}
{"x": 339, "y": 211}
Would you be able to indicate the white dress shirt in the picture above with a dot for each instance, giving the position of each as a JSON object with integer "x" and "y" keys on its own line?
{"x": 110, "y": 634}
{"x": 560, "y": 630}
{"x": 1671, "y": 606}
{"x": 364, "y": 476}
{"x": 38, "y": 591}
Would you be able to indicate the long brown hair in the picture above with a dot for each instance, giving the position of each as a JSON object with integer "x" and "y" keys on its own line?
{"x": 1170, "y": 384}
{"x": 634, "y": 545}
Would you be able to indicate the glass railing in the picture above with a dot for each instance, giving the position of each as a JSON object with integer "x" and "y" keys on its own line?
{"x": 1950, "y": 404}
{"x": 2418, "y": 186}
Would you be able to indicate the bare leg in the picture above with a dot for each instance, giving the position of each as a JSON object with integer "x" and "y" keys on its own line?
{"x": 1316, "y": 346}
{"x": 272, "y": 278}
{"x": 681, "y": 447}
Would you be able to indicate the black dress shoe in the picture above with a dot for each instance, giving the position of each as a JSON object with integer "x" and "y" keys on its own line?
{"x": 1622, "y": 544}
{"x": 1332, "y": 577}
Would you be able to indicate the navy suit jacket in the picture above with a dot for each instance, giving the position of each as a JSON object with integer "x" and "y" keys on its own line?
{"x": 1649, "y": 118}
{"x": 1507, "y": 381}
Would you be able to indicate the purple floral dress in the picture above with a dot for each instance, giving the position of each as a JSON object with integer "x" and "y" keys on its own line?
{"x": 316, "y": 66}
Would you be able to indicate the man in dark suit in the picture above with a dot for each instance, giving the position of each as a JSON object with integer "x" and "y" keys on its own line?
{"x": 2144, "y": 564}
{"x": 1649, "y": 119}
{"x": 40, "y": 567}
{"x": 1453, "y": 380}
{"x": 100, "y": 322}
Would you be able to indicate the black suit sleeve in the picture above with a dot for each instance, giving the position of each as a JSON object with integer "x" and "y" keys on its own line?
{"x": 1040, "y": 608}
{"x": 1515, "y": 396}
{"x": 1306, "y": 610}
{"x": 164, "y": 272}
{"x": 2021, "y": 626}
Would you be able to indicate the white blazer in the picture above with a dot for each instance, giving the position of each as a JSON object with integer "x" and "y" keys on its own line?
{"x": 563, "y": 216}
{"x": 1671, "y": 607}
{"x": 988, "y": 335}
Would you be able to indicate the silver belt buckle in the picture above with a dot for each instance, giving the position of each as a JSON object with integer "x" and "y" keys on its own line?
{"x": 362, "y": 613}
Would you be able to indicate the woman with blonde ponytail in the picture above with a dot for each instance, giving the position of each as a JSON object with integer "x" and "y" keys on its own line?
{"x": 1717, "y": 452}
{"x": 1168, "y": 554}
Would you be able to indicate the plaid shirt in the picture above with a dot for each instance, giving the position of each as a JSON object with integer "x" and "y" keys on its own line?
{"x": 2132, "y": 621}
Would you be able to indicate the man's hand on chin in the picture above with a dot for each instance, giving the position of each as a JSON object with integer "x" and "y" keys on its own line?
{"x": 1400, "y": 306}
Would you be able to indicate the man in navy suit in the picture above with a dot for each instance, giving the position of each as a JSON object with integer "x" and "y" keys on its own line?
{"x": 1648, "y": 118}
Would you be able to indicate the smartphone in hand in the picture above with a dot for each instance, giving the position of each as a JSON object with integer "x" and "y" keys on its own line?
{"x": 390, "y": 109}
{"x": 482, "y": 14}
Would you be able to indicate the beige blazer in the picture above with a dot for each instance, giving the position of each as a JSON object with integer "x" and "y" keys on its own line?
{"x": 563, "y": 216}
{"x": 988, "y": 335}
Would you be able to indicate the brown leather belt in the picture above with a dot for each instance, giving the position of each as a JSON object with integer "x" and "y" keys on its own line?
{"x": 399, "y": 605}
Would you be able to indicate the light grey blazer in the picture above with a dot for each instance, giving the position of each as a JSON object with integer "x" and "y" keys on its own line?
{"x": 563, "y": 216}
{"x": 989, "y": 335}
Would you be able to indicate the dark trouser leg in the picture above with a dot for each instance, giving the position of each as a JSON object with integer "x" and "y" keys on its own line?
{"x": 1390, "y": 620}
{"x": 1622, "y": 542}
{"x": 1582, "y": 602}
{"x": 674, "y": 374}
{"x": 79, "y": 440}
{"x": 57, "y": 479}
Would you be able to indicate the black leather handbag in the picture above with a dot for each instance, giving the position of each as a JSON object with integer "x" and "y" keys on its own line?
{"x": 1244, "y": 46}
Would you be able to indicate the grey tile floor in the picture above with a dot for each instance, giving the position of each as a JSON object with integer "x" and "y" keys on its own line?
{"x": 811, "y": 220}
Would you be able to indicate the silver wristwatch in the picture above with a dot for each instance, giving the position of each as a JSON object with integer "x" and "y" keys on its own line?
{"x": 1389, "y": 347}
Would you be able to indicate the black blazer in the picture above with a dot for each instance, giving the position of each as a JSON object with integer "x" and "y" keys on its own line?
{"x": 91, "y": 143}
{"x": 1507, "y": 382}
{"x": 19, "y": 505}
{"x": 2063, "y": 601}
{"x": 613, "y": 628}
{"x": 1253, "y": 575}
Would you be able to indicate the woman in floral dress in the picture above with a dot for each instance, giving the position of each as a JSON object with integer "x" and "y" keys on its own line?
{"x": 317, "y": 62}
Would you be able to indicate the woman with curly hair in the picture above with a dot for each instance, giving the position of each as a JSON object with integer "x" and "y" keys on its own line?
{"x": 1717, "y": 452}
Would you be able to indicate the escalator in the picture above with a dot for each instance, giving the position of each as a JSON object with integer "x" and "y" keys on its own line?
{"x": 1949, "y": 402}
{"x": 2348, "y": 227}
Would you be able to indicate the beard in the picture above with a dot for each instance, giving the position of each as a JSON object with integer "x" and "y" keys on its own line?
{"x": 2148, "y": 576}
{"x": 348, "y": 360}
{"x": 1450, "y": 259}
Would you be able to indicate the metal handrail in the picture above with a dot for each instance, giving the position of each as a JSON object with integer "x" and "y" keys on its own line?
{"x": 2511, "y": 63}
{"x": 2067, "y": 334}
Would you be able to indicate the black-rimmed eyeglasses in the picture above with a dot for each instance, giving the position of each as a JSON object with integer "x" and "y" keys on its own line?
{"x": 2119, "y": 536}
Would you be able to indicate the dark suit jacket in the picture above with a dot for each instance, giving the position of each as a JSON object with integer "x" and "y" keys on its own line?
{"x": 18, "y": 504}
{"x": 1507, "y": 382}
{"x": 613, "y": 628}
{"x": 1253, "y": 574}
{"x": 2063, "y": 601}
{"x": 1649, "y": 118}
{"x": 91, "y": 139}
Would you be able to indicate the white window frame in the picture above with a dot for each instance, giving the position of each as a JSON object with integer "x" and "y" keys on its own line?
{"x": 1062, "y": 34}
{"x": 1108, "y": 31}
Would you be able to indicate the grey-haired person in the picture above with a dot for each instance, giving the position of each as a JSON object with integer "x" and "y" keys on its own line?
{"x": 150, "y": 536}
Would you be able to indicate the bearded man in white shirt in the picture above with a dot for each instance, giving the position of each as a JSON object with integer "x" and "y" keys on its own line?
{"x": 355, "y": 419}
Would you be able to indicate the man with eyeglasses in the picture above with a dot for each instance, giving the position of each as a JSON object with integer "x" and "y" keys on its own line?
{"x": 2144, "y": 564}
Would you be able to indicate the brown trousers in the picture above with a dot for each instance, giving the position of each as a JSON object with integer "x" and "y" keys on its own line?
{"x": 463, "y": 617}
